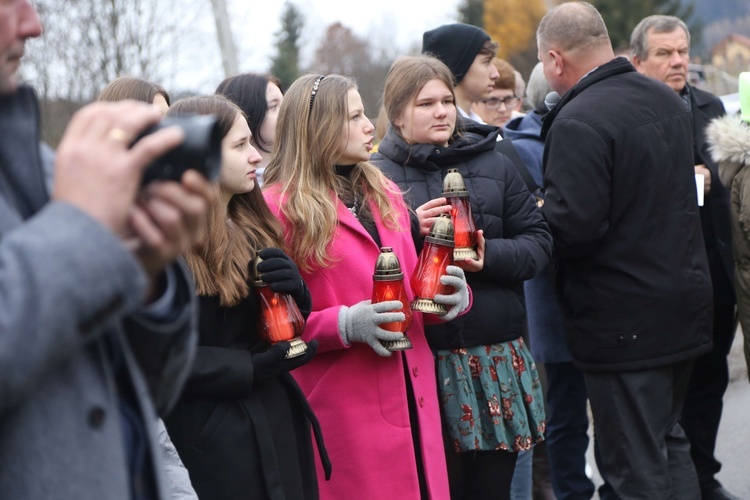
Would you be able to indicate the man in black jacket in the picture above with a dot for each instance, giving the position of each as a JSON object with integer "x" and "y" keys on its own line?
{"x": 632, "y": 276}
{"x": 661, "y": 50}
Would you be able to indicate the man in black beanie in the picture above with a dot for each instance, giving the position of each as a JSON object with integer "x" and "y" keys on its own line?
{"x": 468, "y": 52}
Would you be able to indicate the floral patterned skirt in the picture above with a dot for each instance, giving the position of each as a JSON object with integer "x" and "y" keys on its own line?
{"x": 491, "y": 397}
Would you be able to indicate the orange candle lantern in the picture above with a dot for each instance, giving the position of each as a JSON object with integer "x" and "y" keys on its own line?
{"x": 436, "y": 256}
{"x": 280, "y": 319}
{"x": 388, "y": 284}
{"x": 464, "y": 230}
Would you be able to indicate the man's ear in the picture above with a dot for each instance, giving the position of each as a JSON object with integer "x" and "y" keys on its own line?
{"x": 637, "y": 63}
{"x": 559, "y": 61}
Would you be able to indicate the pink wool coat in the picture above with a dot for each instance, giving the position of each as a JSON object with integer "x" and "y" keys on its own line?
{"x": 359, "y": 397}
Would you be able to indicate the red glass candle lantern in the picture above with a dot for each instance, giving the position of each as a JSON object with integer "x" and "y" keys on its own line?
{"x": 436, "y": 256}
{"x": 464, "y": 230}
{"x": 280, "y": 319}
{"x": 388, "y": 284}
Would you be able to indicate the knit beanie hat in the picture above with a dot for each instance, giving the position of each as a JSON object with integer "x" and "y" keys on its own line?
{"x": 456, "y": 45}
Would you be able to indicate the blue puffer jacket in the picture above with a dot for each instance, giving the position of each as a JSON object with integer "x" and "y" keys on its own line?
{"x": 546, "y": 325}
{"x": 525, "y": 132}
{"x": 518, "y": 243}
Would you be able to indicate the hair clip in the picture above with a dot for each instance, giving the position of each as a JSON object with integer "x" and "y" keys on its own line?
{"x": 315, "y": 90}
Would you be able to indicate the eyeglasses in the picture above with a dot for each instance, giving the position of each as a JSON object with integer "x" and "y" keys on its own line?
{"x": 494, "y": 102}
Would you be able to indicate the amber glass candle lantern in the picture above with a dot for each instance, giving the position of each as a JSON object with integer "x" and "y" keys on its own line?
{"x": 436, "y": 256}
{"x": 280, "y": 319}
{"x": 388, "y": 284}
{"x": 464, "y": 230}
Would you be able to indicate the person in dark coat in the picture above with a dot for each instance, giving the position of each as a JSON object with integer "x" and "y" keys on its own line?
{"x": 631, "y": 269}
{"x": 567, "y": 436}
{"x": 483, "y": 347}
{"x": 242, "y": 426}
{"x": 661, "y": 50}
{"x": 729, "y": 143}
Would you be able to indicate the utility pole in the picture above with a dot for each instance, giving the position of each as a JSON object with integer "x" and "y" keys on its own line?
{"x": 224, "y": 32}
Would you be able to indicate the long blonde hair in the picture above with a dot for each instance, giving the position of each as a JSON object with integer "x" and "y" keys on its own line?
{"x": 229, "y": 240}
{"x": 308, "y": 138}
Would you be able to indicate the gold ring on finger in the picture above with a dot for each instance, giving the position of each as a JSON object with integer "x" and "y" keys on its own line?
{"x": 119, "y": 135}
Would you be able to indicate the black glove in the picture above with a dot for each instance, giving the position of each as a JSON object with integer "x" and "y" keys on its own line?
{"x": 272, "y": 363}
{"x": 279, "y": 272}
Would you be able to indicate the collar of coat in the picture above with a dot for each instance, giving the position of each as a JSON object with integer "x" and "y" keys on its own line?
{"x": 616, "y": 66}
{"x": 471, "y": 138}
{"x": 20, "y": 157}
{"x": 700, "y": 98}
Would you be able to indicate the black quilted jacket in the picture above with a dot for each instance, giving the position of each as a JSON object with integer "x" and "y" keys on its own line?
{"x": 518, "y": 240}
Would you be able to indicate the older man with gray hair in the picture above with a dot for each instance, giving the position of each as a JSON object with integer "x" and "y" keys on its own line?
{"x": 661, "y": 50}
{"x": 631, "y": 272}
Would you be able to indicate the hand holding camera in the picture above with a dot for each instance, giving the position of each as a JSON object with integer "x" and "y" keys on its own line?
{"x": 99, "y": 169}
{"x": 200, "y": 150}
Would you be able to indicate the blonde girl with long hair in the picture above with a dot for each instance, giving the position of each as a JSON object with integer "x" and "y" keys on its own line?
{"x": 378, "y": 409}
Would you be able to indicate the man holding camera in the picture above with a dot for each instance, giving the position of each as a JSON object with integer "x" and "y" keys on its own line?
{"x": 97, "y": 325}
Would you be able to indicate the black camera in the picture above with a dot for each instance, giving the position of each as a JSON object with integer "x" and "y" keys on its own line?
{"x": 201, "y": 149}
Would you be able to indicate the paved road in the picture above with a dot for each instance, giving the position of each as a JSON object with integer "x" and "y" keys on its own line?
{"x": 733, "y": 443}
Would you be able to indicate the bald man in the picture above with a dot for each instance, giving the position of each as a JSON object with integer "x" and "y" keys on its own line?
{"x": 632, "y": 276}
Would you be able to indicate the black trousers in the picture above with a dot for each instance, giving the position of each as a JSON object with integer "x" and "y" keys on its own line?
{"x": 644, "y": 450}
{"x": 701, "y": 414}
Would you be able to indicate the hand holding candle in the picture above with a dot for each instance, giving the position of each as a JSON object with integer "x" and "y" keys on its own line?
{"x": 388, "y": 284}
{"x": 427, "y": 213}
{"x": 280, "y": 318}
{"x": 458, "y": 301}
{"x": 474, "y": 265}
{"x": 464, "y": 229}
{"x": 280, "y": 273}
{"x": 436, "y": 256}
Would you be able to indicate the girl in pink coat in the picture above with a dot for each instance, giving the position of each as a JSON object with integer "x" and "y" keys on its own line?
{"x": 378, "y": 410}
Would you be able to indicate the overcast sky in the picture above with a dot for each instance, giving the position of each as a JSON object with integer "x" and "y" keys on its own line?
{"x": 395, "y": 25}
{"x": 399, "y": 21}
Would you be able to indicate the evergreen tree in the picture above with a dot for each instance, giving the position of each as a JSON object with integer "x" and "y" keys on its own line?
{"x": 471, "y": 12}
{"x": 285, "y": 65}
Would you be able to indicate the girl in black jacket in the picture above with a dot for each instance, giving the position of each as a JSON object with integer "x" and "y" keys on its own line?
{"x": 489, "y": 387}
{"x": 242, "y": 426}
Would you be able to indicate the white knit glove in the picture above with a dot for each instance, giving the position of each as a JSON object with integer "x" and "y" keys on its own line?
{"x": 361, "y": 323}
{"x": 458, "y": 301}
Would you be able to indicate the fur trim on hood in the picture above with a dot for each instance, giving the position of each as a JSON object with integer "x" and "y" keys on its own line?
{"x": 729, "y": 140}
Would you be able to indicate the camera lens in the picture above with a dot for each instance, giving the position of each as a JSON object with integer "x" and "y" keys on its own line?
{"x": 201, "y": 149}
